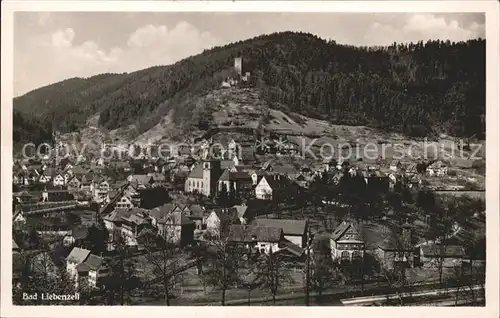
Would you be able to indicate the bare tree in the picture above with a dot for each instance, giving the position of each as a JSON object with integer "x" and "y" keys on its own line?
{"x": 249, "y": 278}
{"x": 325, "y": 274}
{"x": 122, "y": 279}
{"x": 441, "y": 228}
{"x": 223, "y": 260}
{"x": 271, "y": 273}
{"x": 394, "y": 281}
{"x": 470, "y": 283}
{"x": 166, "y": 257}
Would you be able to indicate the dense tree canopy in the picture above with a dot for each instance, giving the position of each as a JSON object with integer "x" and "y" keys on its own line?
{"x": 417, "y": 88}
{"x": 29, "y": 129}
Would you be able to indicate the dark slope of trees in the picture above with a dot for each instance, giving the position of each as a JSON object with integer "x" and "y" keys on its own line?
{"x": 30, "y": 130}
{"x": 417, "y": 88}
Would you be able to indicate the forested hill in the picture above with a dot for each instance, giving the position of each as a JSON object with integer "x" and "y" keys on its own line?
{"x": 29, "y": 129}
{"x": 417, "y": 88}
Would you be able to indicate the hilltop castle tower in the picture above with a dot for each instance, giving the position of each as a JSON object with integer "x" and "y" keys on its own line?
{"x": 238, "y": 65}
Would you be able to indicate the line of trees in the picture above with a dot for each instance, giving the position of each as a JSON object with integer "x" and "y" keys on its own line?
{"x": 416, "y": 88}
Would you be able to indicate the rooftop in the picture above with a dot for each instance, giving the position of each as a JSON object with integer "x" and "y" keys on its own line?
{"x": 252, "y": 233}
{"x": 94, "y": 262}
{"x": 197, "y": 172}
{"x": 290, "y": 227}
{"x": 446, "y": 250}
{"x": 77, "y": 255}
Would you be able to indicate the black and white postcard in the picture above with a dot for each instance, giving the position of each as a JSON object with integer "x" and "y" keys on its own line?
{"x": 250, "y": 154}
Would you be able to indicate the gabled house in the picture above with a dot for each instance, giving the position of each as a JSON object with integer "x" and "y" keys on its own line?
{"x": 194, "y": 181}
{"x": 74, "y": 183}
{"x": 125, "y": 202}
{"x": 58, "y": 180}
{"x": 258, "y": 175}
{"x": 33, "y": 177}
{"x": 100, "y": 162}
{"x": 411, "y": 170}
{"x": 393, "y": 250}
{"x": 67, "y": 176}
{"x": 44, "y": 178}
{"x": 159, "y": 214}
{"x": 271, "y": 187}
{"x": 235, "y": 182}
{"x": 91, "y": 270}
{"x": 294, "y": 231}
{"x": 219, "y": 220}
{"x": 196, "y": 213}
{"x": 346, "y": 243}
{"x": 18, "y": 217}
{"x": 180, "y": 208}
{"x": 244, "y": 213}
{"x": 129, "y": 222}
{"x": 437, "y": 168}
{"x": 87, "y": 181}
{"x": 133, "y": 223}
{"x": 15, "y": 247}
{"x": 75, "y": 257}
{"x": 177, "y": 229}
{"x": 264, "y": 239}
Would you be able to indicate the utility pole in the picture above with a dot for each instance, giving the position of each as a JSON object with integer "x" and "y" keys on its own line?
{"x": 308, "y": 264}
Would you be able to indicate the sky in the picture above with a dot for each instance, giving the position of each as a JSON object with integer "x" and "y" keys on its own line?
{"x": 53, "y": 46}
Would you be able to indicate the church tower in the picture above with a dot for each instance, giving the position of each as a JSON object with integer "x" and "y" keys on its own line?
{"x": 211, "y": 174}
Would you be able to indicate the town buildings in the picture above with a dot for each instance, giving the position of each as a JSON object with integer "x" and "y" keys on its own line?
{"x": 81, "y": 265}
{"x": 130, "y": 204}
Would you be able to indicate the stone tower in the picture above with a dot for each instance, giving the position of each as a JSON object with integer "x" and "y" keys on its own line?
{"x": 238, "y": 65}
{"x": 211, "y": 174}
